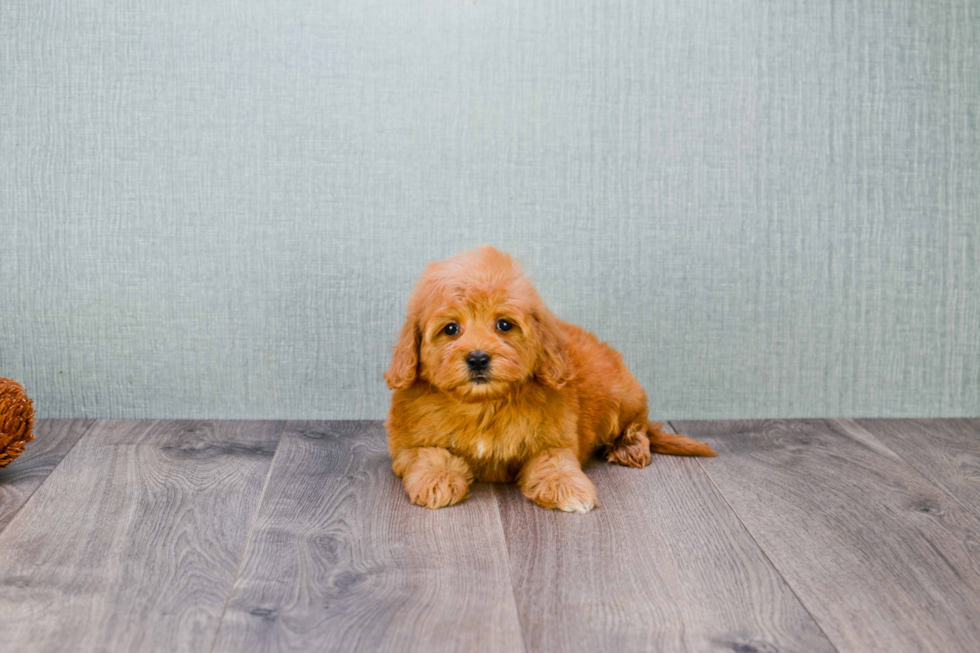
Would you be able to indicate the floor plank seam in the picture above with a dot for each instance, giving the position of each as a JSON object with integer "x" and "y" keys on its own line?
{"x": 761, "y": 550}
{"x": 510, "y": 568}
{"x": 248, "y": 538}
{"x": 949, "y": 495}
{"x": 53, "y": 469}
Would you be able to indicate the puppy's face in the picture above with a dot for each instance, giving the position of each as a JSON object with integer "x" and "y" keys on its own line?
{"x": 476, "y": 347}
{"x": 477, "y": 329}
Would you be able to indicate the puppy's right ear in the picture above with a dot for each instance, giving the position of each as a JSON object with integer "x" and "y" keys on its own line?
{"x": 405, "y": 361}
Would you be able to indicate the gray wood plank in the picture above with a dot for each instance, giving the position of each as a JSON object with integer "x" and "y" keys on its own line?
{"x": 133, "y": 542}
{"x": 339, "y": 560}
{"x": 881, "y": 557}
{"x": 946, "y": 451}
{"x": 662, "y": 565}
{"x": 53, "y": 439}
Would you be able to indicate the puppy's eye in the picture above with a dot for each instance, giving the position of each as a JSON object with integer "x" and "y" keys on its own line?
{"x": 504, "y": 325}
{"x": 451, "y": 329}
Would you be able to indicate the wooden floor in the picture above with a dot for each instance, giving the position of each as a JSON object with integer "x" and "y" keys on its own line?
{"x": 816, "y": 535}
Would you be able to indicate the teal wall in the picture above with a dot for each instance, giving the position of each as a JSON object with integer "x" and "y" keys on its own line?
{"x": 217, "y": 209}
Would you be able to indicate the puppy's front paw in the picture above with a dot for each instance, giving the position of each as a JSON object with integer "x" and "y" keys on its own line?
{"x": 569, "y": 492}
{"x": 435, "y": 488}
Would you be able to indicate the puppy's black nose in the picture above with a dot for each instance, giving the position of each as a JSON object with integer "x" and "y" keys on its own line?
{"x": 478, "y": 360}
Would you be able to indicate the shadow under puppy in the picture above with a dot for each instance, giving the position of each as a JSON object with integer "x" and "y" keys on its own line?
{"x": 490, "y": 386}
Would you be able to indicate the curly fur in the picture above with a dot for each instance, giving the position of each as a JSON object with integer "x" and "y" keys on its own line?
{"x": 553, "y": 393}
{"x": 16, "y": 420}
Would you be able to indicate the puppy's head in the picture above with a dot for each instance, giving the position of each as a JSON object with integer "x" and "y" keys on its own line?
{"x": 476, "y": 328}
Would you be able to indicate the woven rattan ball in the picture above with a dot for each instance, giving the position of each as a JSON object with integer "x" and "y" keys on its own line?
{"x": 16, "y": 420}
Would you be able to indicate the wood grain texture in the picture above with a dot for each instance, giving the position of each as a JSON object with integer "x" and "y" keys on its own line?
{"x": 340, "y": 561}
{"x": 946, "y": 451}
{"x": 53, "y": 439}
{"x": 133, "y": 541}
{"x": 882, "y": 558}
{"x": 662, "y": 565}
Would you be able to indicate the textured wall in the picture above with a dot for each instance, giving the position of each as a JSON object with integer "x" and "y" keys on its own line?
{"x": 217, "y": 209}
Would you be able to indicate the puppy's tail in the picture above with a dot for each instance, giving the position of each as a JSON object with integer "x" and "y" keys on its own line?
{"x": 675, "y": 445}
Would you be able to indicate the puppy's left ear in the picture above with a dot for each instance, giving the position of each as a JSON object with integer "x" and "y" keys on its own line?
{"x": 553, "y": 367}
{"x": 405, "y": 360}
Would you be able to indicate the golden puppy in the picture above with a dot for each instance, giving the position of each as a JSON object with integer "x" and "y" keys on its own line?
{"x": 490, "y": 386}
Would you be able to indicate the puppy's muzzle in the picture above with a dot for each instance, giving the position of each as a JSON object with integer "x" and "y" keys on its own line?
{"x": 478, "y": 361}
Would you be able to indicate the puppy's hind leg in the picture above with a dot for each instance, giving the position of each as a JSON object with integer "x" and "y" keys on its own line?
{"x": 631, "y": 448}
{"x": 638, "y": 440}
{"x": 433, "y": 477}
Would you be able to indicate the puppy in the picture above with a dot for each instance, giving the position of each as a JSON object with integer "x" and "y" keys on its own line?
{"x": 490, "y": 386}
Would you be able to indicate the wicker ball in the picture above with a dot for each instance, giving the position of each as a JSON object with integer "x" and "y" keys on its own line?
{"x": 16, "y": 420}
